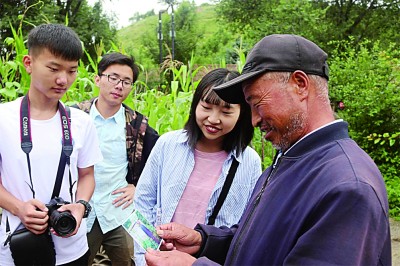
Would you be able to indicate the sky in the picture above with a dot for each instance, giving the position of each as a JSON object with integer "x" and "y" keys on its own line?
{"x": 124, "y": 9}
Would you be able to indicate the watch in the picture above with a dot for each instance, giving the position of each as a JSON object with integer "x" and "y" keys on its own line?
{"x": 88, "y": 208}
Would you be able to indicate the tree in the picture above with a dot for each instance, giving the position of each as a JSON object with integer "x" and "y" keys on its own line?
{"x": 12, "y": 12}
{"x": 367, "y": 80}
{"x": 255, "y": 19}
{"x": 96, "y": 29}
{"x": 186, "y": 34}
{"x": 186, "y": 31}
{"x": 364, "y": 20}
{"x": 92, "y": 26}
{"x": 322, "y": 21}
{"x": 137, "y": 17}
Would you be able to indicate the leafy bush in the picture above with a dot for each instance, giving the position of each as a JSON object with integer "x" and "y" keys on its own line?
{"x": 367, "y": 82}
{"x": 14, "y": 80}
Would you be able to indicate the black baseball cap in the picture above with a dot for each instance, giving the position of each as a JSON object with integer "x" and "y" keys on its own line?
{"x": 277, "y": 52}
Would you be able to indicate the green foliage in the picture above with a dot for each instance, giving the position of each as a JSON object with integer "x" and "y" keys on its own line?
{"x": 263, "y": 148}
{"x": 196, "y": 32}
{"x": 90, "y": 23}
{"x": 137, "y": 17}
{"x": 168, "y": 109}
{"x": 216, "y": 46}
{"x": 256, "y": 19}
{"x": 363, "y": 20}
{"x": 367, "y": 80}
{"x": 186, "y": 34}
{"x": 83, "y": 87}
{"x": 140, "y": 39}
{"x": 385, "y": 149}
{"x": 185, "y": 76}
{"x": 166, "y": 112}
{"x": 94, "y": 28}
{"x": 363, "y": 79}
{"x": 320, "y": 20}
{"x": 14, "y": 81}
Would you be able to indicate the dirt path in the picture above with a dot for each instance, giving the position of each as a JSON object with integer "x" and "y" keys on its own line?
{"x": 395, "y": 234}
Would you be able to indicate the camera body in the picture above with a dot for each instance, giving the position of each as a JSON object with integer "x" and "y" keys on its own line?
{"x": 63, "y": 223}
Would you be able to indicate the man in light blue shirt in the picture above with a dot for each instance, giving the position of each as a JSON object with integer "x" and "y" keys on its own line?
{"x": 112, "y": 190}
{"x": 125, "y": 141}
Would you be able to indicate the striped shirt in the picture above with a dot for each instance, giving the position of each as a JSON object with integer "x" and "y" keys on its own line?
{"x": 166, "y": 175}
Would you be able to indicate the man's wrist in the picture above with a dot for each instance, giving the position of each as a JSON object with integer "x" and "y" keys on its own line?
{"x": 199, "y": 238}
{"x": 199, "y": 242}
{"x": 87, "y": 206}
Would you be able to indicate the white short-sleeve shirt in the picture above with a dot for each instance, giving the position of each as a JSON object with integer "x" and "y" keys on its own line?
{"x": 44, "y": 159}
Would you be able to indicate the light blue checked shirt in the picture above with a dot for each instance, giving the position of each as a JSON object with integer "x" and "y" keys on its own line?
{"x": 110, "y": 173}
{"x": 166, "y": 174}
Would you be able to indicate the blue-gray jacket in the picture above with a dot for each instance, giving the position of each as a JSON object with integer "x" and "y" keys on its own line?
{"x": 325, "y": 203}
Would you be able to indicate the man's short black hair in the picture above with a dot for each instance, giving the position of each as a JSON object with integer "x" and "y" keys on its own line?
{"x": 241, "y": 135}
{"x": 60, "y": 40}
{"x": 118, "y": 59}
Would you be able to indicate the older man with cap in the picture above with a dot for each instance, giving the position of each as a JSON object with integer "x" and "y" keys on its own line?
{"x": 323, "y": 201}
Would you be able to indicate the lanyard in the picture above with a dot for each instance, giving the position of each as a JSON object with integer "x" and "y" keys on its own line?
{"x": 26, "y": 138}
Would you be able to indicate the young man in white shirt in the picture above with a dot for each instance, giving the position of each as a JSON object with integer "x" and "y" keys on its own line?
{"x": 28, "y": 177}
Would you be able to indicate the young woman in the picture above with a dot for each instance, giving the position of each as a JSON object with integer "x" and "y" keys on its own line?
{"x": 187, "y": 168}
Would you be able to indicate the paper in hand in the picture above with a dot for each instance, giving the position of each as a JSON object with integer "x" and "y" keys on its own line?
{"x": 142, "y": 231}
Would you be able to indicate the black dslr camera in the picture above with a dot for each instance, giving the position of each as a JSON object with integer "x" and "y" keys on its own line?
{"x": 62, "y": 222}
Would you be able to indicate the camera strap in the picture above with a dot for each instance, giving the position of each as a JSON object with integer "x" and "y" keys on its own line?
{"x": 26, "y": 146}
{"x": 67, "y": 147}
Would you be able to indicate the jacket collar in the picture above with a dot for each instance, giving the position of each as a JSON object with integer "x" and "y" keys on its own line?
{"x": 325, "y": 135}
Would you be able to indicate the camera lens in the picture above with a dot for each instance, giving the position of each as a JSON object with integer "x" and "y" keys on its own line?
{"x": 62, "y": 222}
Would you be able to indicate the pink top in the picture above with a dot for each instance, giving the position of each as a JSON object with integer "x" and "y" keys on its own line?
{"x": 193, "y": 204}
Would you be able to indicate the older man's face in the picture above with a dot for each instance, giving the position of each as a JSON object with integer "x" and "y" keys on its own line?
{"x": 275, "y": 109}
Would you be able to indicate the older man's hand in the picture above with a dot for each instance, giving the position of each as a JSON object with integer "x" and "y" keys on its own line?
{"x": 179, "y": 237}
{"x": 168, "y": 258}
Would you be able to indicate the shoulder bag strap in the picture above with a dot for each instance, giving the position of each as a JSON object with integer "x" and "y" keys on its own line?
{"x": 224, "y": 191}
{"x": 136, "y": 124}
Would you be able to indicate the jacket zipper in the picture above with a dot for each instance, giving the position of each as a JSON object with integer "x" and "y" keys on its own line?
{"x": 257, "y": 201}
